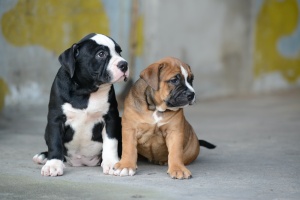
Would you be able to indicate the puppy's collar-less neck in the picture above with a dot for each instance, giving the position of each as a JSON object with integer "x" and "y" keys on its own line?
{"x": 157, "y": 108}
{"x": 79, "y": 90}
{"x": 149, "y": 99}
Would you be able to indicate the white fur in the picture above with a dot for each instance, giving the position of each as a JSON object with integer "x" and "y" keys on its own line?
{"x": 109, "y": 153}
{"x": 39, "y": 159}
{"x": 118, "y": 75}
{"x": 156, "y": 117}
{"x": 125, "y": 172}
{"x": 53, "y": 167}
{"x": 81, "y": 149}
{"x": 185, "y": 74}
{"x": 160, "y": 109}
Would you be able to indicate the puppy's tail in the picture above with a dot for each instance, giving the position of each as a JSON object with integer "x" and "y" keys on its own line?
{"x": 206, "y": 144}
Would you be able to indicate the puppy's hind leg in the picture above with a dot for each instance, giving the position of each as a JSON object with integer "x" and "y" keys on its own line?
{"x": 40, "y": 158}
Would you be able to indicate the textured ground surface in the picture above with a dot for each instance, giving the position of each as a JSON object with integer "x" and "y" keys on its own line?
{"x": 258, "y": 157}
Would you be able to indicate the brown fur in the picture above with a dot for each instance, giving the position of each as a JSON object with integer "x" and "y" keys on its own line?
{"x": 172, "y": 140}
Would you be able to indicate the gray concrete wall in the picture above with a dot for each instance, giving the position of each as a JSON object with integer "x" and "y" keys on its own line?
{"x": 234, "y": 47}
{"x": 213, "y": 37}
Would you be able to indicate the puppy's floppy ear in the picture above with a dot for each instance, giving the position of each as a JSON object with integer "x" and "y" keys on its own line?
{"x": 67, "y": 59}
{"x": 151, "y": 75}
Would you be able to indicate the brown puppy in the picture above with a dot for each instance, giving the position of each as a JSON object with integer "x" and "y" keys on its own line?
{"x": 153, "y": 123}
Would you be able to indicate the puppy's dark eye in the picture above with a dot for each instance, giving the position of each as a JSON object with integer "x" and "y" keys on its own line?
{"x": 175, "y": 80}
{"x": 100, "y": 54}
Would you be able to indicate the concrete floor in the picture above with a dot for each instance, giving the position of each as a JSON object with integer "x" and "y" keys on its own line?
{"x": 257, "y": 156}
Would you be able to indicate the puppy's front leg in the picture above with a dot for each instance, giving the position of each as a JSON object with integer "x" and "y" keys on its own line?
{"x": 127, "y": 165}
{"x": 111, "y": 137}
{"x": 54, "y": 165}
{"x": 177, "y": 170}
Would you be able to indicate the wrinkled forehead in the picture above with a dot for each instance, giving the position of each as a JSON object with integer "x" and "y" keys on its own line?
{"x": 176, "y": 67}
{"x": 186, "y": 70}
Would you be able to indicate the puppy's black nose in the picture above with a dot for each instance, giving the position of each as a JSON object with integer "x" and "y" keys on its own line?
{"x": 190, "y": 96}
{"x": 122, "y": 65}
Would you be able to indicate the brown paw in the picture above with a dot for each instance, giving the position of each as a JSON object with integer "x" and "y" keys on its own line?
{"x": 179, "y": 172}
{"x": 124, "y": 169}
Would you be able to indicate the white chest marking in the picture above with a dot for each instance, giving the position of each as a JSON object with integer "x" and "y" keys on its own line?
{"x": 185, "y": 74}
{"x": 158, "y": 117}
{"x": 81, "y": 149}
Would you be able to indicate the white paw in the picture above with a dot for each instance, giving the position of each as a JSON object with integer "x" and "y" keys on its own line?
{"x": 124, "y": 172}
{"x": 53, "y": 167}
{"x": 39, "y": 159}
{"x": 108, "y": 166}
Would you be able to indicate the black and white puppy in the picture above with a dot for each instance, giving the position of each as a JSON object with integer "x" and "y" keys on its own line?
{"x": 84, "y": 127}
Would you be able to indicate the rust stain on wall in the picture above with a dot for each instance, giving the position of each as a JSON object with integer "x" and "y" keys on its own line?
{"x": 3, "y": 92}
{"x": 53, "y": 24}
{"x": 276, "y": 19}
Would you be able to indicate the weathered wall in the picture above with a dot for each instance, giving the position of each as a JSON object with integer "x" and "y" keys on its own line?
{"x": 212, "y": 36}
{"x": 233, "y": 46}
{"x": 34, "y": 33}
{"x": 276, "y": 57}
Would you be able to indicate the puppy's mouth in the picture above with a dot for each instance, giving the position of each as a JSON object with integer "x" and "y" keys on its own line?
{"x": 178, "y": 102}
{"x": 125, "y": 78}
